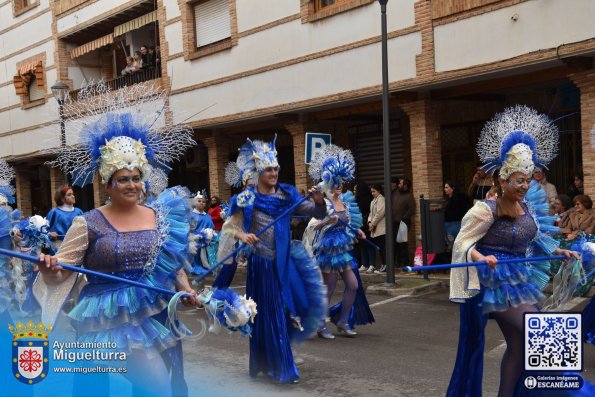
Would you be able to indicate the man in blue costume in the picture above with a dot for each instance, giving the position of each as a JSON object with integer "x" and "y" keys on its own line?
{"x": 282, "y": 278}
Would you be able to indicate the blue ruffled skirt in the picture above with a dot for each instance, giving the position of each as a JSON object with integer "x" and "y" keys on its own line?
{"x": 114, "y": 312}
{"x": 332, "y": 251}
{"x": 589, "y": 322}
{"x": 511, "y": 285}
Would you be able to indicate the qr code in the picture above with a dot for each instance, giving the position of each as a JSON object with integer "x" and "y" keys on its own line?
{"x": 553, "y": 342}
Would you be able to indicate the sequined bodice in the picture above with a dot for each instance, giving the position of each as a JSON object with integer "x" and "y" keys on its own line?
{"x": 120, "y": 253}
{"x": 509, "y": 235}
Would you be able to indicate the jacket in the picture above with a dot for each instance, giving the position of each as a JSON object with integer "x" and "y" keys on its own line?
{"x": 377, "y": 217}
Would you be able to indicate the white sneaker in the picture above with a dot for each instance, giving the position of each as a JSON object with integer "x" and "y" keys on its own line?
{"x": 362, "y": 268}
{"x": 371, "y": 269}
{"x": 383, "y": 269}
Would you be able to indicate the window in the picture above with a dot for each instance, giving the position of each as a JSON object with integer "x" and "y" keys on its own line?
{"x": 212, "y": 22}
{"x": 208, "y": 26}
{"x": 21, "y": 6}
{"x": 29, "y": 82}
{"x": 36, "y": 91}
{"x": 314, "y": 10}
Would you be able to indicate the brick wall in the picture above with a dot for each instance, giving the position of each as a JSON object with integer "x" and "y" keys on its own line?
{"x": 585, "y": 81}
{"x": 99, "y": 193}
{"x": 57, "y": 179}
{"x": 23, "y": 187}
{"x": 218, "y": 150}
{"x": 298, "y": 134}
{"x": 425, "y": 152}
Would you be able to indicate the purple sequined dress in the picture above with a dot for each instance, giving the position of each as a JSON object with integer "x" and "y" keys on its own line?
{"x": 114, "y": 312}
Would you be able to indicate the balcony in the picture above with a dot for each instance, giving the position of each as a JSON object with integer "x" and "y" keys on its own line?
{"x": 127, "y": 80}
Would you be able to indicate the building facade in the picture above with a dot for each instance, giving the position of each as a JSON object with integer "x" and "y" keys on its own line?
{"x": 239, "y": 68}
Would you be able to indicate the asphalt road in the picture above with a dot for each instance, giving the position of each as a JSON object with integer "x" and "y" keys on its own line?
{"x": 409, "y": 351}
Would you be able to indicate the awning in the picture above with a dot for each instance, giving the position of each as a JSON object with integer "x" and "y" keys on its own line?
{"x": 92, "y": 45}
{"x": 135, "y": 23}
{"x": 30, "y": 66}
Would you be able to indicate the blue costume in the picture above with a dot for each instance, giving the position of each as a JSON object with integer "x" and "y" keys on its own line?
{"x": 333, "y": 251}
{"x": 510, "y": 285}
{"x": 107, "y": 311}
{"x": 281, "y": 278}
{"x": 206, "y": 256}
{"x": 60, "y": 220}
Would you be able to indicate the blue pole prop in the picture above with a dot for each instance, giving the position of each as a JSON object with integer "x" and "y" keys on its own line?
{"x": 35, "y": 259}
{"x": 258, "y": 234}
{"x": 586, "y": 278}
{"x": 467, "y": 264}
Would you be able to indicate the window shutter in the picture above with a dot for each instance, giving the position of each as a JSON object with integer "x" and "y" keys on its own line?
{"x": 213, "y": 22}
{"x": 35, "y": 92}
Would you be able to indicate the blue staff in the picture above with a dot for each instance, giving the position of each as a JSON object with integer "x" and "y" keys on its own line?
{"x": 467, "y": 264}
{"x": 89, "y": 272}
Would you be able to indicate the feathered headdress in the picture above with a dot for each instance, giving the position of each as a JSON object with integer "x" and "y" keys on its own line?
{"x": 6, "y": 189}
{"x": 517, "y": 140}
{"x": 157, "y": 182}
{"x": 201, "y": 194}
{"x": 254, "y": 158}
{"x": 117, "y": 130}
{"x": 236, "y": 177}
{"x": 332, "y": 166}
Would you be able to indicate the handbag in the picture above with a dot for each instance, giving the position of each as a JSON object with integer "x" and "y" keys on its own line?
{"x": 402, "y": 233}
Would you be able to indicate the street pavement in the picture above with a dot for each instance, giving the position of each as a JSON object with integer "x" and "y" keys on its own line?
{"x": 409, "y": 351}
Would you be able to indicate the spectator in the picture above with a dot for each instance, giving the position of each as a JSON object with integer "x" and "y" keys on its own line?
{"x": 403, "y": 210}
{"x": 562, "y": 206}
{"x": 394, "y": 189}
{"x": 576, "y": 186}
{"x": 363, "y": 198}
{"x": 215, "y": 212}
{"x": 455, "y": 208}
{"x": 377, "y": 224}
{"x": 138, "y": 61}
{"x": 550, "y": 189}
{"x": 158, "y": 56}
{"x": 130, "y": 68}
{"x": 582, "y": 219}
{"x": 480, "y": 185}
{"x": 144, "y": 51}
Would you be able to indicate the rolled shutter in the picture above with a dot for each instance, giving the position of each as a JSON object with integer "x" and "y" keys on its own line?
{"x": 213, "y": 22}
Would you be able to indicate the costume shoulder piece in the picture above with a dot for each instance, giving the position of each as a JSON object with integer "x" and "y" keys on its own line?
{"x": 171, "y": 251}
{"x": 355, "y": 215}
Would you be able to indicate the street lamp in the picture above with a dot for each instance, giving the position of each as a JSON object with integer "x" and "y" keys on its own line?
{"x": 60, "y": 91}
{"x": 390, "y": 257}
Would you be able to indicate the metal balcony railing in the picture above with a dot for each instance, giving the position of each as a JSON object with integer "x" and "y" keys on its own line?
{"x": 127, "y": 80}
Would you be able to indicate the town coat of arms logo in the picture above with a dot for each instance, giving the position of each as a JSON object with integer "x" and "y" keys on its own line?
{"x": 30, "y": 352}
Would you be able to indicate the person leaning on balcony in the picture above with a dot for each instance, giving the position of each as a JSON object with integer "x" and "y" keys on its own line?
{"x": 129, "y": 66}
{"x": 138, "y": 61}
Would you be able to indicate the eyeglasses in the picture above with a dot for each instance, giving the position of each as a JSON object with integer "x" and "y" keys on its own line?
{"x": 125, "y": 180}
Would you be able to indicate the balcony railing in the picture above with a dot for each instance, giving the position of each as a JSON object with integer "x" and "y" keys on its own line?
{"x": 127, "y": 80}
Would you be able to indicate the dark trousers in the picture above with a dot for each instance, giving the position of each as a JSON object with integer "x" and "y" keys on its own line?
{"x": 402, "y": 257}
{"x": 380, "y": 241}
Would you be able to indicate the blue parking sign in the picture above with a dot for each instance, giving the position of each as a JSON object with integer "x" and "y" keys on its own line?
{"x": 315, "y": 142}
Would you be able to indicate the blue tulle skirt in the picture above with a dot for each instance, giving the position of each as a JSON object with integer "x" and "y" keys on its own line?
{"x": 513, "y": 284}
{"x": 121, "y": 314}
{"x": 332, "y": 251}
{"x": 589, "y": 322}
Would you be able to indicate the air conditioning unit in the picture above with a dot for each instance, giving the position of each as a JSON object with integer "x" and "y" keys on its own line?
{"x": 197, "y": 157}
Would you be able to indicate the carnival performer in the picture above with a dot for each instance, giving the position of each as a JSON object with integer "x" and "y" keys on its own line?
{"x": 60, "y": 218}
{"x": 203, "y": 227}
{"x": 512, "y": 226}
{"x": 235, "y": 177}
{"x": 123, "y": 238}
{"x": 282, "y": 278}
{"x": 7, "y": 294}
{"x": 331, "y": 240}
